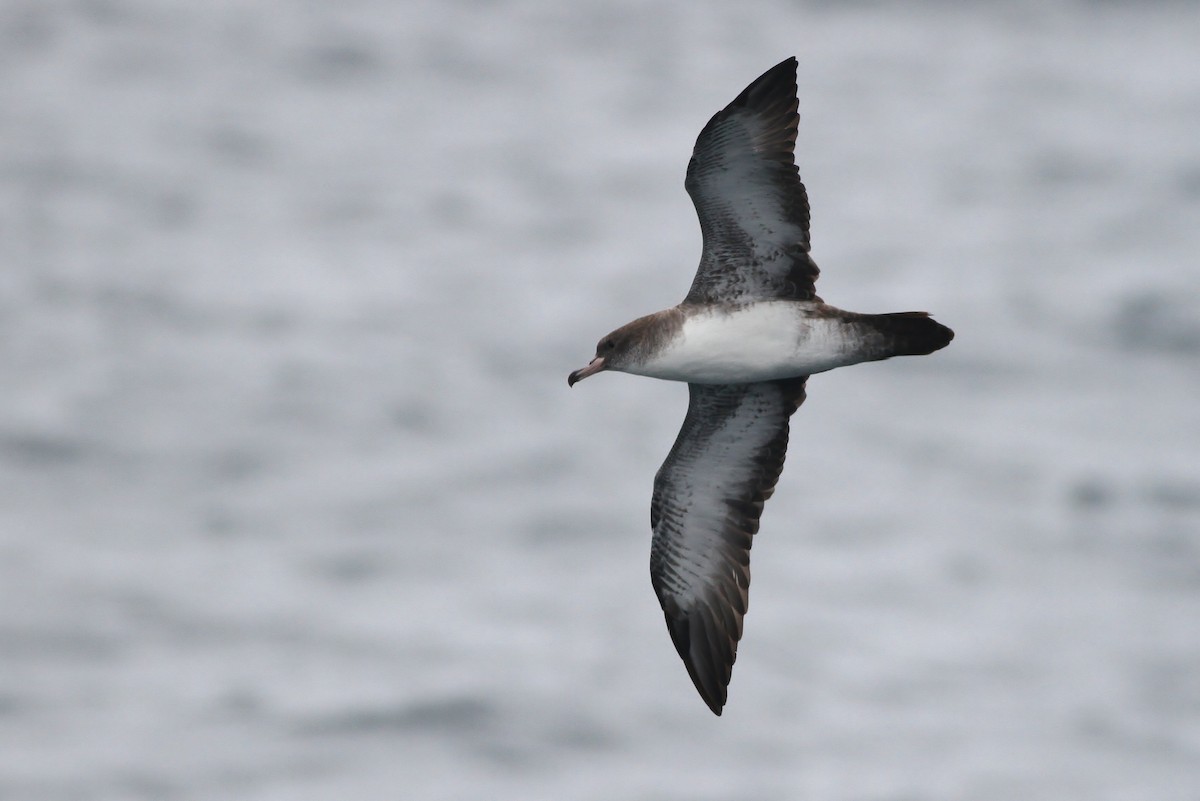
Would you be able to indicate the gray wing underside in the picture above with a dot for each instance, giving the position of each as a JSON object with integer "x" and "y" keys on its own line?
{"x": 752, "y": 206}
{"x": 708, "y": 497}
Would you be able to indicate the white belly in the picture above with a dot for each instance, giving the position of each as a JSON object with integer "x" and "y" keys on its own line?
{"x": 760, "y": 342}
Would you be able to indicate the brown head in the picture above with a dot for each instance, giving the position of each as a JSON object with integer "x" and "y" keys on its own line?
{"x": 629, "y": 344}
{"x": 609, "y": 354}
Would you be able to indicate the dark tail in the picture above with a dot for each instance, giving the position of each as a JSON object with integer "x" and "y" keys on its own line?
{"x": 910, "y": 333}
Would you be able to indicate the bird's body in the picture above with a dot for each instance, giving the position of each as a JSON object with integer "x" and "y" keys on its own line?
{"x": 763, "y": 341}
{"x": 745, "y": 339}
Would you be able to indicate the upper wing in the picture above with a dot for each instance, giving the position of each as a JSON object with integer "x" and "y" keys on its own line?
{"x": 708, "y": 496}
{"x": 752, "y": 206}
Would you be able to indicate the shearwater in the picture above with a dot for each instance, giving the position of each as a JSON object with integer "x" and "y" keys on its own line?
{"x": 746, "y": 338}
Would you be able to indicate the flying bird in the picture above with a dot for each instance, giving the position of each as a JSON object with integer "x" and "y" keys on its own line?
{"x": 745, "y": 339}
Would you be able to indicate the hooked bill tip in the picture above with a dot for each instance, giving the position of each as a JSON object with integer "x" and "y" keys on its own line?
{"x": 593, "y": 367}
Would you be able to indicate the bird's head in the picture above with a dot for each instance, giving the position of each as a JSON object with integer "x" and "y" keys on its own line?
{"x": 613, "y": 352}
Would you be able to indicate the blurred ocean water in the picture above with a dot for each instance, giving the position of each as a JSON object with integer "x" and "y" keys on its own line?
{"x": 295, "y": 502}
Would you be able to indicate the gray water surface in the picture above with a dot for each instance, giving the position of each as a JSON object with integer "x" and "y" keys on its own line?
{"x": 295, "y": 502}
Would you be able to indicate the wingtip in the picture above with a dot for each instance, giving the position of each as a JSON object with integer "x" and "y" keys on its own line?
{"x": 711, "y": 688}
{"x": 713, "y": 693}
{"x": 789, "y": 63}
{"x": 781, "y": 77}
{"x": 714, "y": 701}
{"x": 789, "y": 67}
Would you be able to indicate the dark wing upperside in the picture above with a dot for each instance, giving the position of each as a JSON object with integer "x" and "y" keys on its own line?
{"x": 708, "y": 496}
{"x": 752, "y": 206}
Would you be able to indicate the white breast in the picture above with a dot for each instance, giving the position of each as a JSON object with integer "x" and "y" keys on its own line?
{"x": 758, "y": 342}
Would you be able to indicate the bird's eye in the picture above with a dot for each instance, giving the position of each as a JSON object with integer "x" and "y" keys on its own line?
{"x": 608, "y": 344}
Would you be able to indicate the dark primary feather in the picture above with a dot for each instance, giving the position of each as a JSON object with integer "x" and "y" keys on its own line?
{"x": 708, "y": 497}
{"x": 752, "y": 206}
